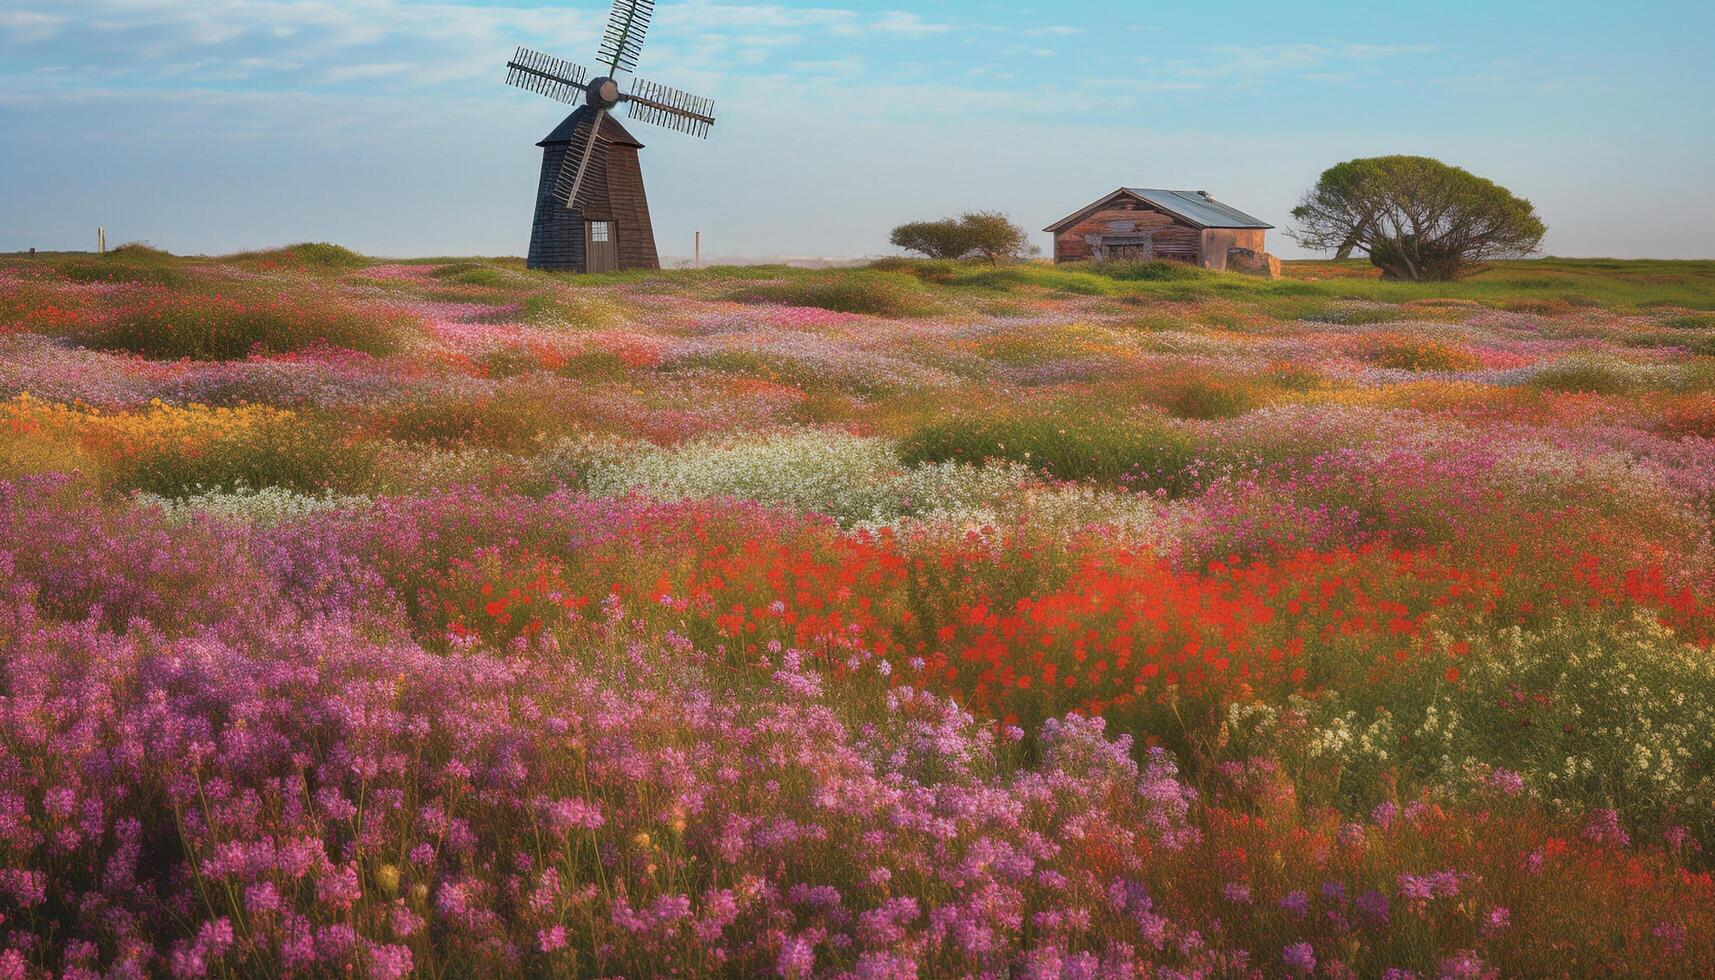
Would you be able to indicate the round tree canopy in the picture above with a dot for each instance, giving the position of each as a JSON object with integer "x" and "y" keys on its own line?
{"x": 1416, "y": 217}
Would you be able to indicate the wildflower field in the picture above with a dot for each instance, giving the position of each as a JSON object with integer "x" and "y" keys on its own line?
{"x": 445, "y": 619}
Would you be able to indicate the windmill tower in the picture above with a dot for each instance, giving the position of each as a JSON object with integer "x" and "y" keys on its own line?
{"x": 591, "y": 212}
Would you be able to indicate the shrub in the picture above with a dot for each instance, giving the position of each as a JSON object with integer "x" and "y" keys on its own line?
{"x": 854, "y": 479}
{"x": 1159, "y": 270}
{"x": 142, "y": 266}
{"x": 986, "y": 234}
{"x": 1693, "y": 321}
{"x": 944, "y": 239}
{"x": 475, "y": 274}
{"x": 1589, "y": 713}
{"x": 1586, "y": 376}
{"x": 270, "y": 505}
{"x": 938, "y": 271}
{"x": 512, "y": 422}
{"x": 296, "y": 453}
{"x": 1404, "y": 352}
{"x": 308, "y": 256}
{"x": 1206, "y": 398}
{"x": 1070, "y": 443}
{"x": 846, "y": 291}
{"x": 1690, "y": 415}
{"x": 166, "y": 324}
{"x": 1296, "y": 377}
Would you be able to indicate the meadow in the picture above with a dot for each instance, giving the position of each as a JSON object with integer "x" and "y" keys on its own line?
{"x": 441, "y": 618}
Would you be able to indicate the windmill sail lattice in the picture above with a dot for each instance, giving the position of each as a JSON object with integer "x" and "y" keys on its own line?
{"x": 547, "y": 75}
{"x": 669, "y": 107}
{"x": 623, "y": 42}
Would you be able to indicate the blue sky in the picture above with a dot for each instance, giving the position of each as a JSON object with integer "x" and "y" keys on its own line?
{"x": 215, "y": 125}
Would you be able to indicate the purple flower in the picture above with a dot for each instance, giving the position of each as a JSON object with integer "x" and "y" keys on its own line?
{"x": 1300, "y": 957}
{"x": 1373, "y": 905}
{"x": 1507, "y": 781}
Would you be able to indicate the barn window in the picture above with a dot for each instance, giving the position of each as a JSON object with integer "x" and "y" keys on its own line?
{"x": 598, "y": 231}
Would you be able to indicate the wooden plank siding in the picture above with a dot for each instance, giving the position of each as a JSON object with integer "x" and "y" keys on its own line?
{"x": 613, "y": 192}
{"x": 629, "y": 206}
{"x": 556, "y": 231}
{"x": 1167, "y": 236}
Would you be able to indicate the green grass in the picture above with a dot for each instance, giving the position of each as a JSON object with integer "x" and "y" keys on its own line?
{"x": 305, "y": 256}
{"x": 859, "y": 291}
{"x": 1585, "y": 376}
{"x": 1068, "y": 442}
{"x": 226, "y": 327}
{"x": 1325, "y": 290}
{"x": 1631, "y": 284}
{"x": 306, "y": 454}
{"x": 133, "y": 263}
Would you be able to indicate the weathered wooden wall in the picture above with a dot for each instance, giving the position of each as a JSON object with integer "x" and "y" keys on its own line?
{"x": 556, "y": 231}
{"x": 615, "y": 193}
{"x": 1164, "y": 236}
{"x": 1169, "y": 237}
{"x": 629, "y": 206}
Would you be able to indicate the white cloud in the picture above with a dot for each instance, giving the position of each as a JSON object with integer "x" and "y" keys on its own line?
{"x": 28, "y": 26}
{"x": 909, "y": 25}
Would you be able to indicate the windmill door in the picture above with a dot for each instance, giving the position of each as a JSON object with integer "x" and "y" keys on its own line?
{"x": 601, "y": 246}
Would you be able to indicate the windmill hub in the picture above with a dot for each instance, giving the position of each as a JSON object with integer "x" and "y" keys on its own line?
{"x": 603, "y": 93}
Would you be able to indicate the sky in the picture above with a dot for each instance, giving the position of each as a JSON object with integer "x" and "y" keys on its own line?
{"x": 210, "y": 126}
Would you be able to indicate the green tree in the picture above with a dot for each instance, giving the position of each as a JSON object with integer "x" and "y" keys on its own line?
{"x": 944, "y": 239}
{"x": 994, "y": 236}
{"x": 1417, "y": 218}
{"x": 988, "y": 234}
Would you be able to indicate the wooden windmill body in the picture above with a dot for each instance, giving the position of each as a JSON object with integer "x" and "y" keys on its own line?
{"x": 592, "y": 214}
{"x": 611, "y": 230}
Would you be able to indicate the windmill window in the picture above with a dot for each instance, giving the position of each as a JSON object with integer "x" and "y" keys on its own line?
{"x": 598, "y": 231}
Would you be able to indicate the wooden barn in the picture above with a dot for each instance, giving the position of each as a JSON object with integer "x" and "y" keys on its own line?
{"x": 1139, "y": 224}
{"x": 612, "y": 231}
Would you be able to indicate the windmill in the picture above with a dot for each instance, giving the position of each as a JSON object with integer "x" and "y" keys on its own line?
{"x": 591, "y": 212}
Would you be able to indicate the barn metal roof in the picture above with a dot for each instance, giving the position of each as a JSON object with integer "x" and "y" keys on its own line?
{"x": 610, "y": 129}
{"x": 1196, "y": 207}
{"x": 1199, "y": 207}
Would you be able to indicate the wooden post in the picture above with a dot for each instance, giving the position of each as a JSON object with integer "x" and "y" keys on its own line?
{"x": 699, "y": 258}
{"x": 101, "y": 241}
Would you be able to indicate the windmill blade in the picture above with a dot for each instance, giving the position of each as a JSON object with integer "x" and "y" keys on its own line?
{"x": 585, "y": 164}
{"x": 669, "y": 107}
{"x": 625, "y": 29}
{"x": 547, "y": 75}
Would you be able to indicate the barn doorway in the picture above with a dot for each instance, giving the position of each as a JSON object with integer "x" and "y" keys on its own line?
{"x": 601, "y": 247}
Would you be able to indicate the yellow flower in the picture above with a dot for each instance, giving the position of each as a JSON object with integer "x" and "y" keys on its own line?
{"x": 387, "y": 876}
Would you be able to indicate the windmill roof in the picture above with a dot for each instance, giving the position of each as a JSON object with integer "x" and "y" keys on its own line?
{"x": 610, "y": 128}
{"x": 1196, "y": 207}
